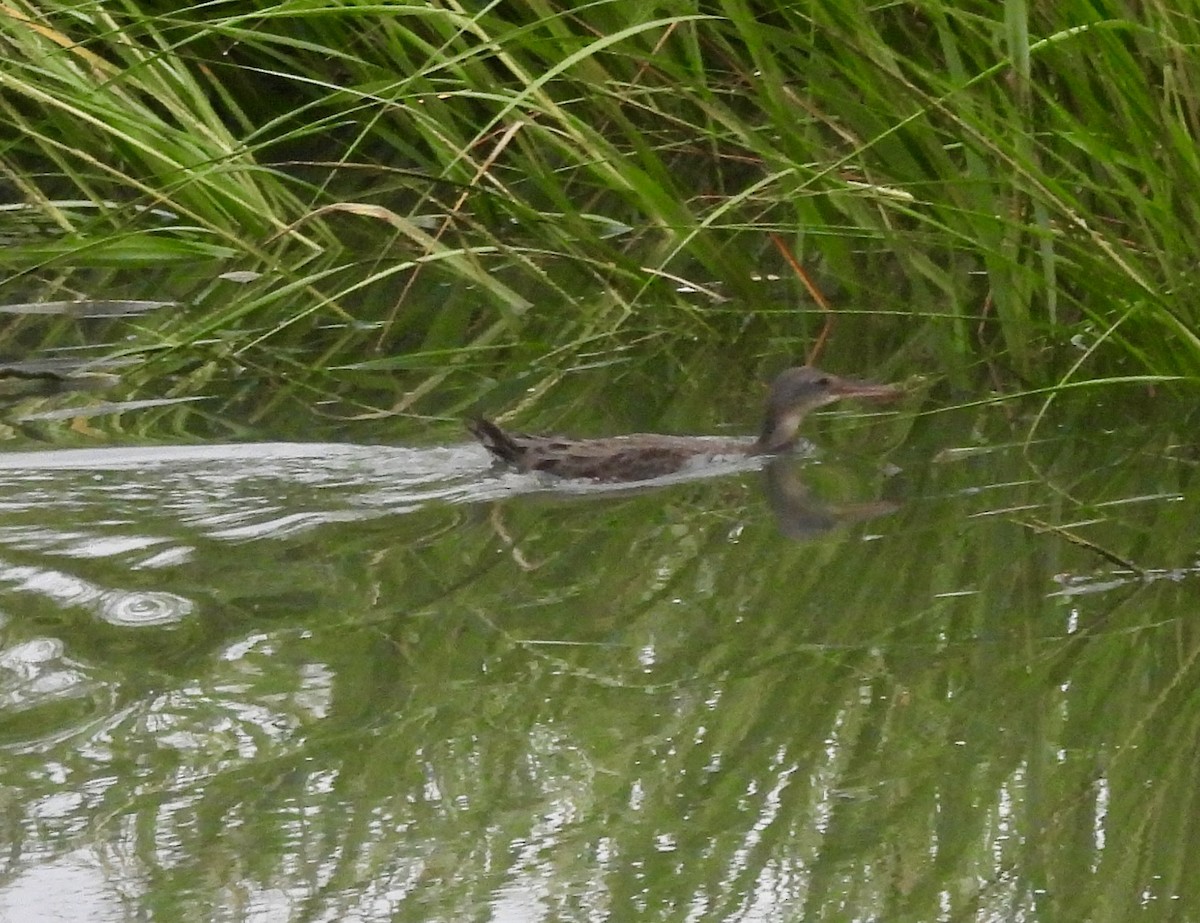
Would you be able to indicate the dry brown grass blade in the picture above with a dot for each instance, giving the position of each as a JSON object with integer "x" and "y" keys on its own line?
{"x": 814, "y": 354}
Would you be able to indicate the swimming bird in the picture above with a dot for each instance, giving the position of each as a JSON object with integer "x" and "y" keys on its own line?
{"x": 643, "y": 456}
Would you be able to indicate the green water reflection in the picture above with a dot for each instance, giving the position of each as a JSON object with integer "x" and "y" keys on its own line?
{"x": 449, "y": 700}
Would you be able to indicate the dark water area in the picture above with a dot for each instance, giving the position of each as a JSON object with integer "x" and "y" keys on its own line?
{"x": 942, "y": 667}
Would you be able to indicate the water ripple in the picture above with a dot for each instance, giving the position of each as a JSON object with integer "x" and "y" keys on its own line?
{"x": 143, "y": 609}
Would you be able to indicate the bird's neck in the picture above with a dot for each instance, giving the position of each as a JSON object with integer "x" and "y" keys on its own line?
{"x": 778, "y": 433}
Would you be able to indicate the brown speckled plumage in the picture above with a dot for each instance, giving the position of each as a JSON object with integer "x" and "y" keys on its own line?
{"x": 643, "y": 456}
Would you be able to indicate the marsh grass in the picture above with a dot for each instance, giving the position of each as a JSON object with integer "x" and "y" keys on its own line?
{"x": 994, "y": 182}
{"x": 422, "y": 204}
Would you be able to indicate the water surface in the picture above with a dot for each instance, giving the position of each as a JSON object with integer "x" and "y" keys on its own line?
{"x": 934, "y": 671}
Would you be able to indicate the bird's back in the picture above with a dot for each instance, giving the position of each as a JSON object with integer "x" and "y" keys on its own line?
{"x": 638, "y": 457}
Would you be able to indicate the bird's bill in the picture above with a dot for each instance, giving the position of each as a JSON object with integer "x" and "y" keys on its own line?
{"x": 851, "y": 387}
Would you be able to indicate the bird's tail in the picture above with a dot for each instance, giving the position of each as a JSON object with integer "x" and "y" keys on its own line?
{"x": 494, "y": 439}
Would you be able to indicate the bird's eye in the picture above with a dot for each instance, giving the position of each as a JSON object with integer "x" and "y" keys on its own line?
{"x": 824, "y": 381}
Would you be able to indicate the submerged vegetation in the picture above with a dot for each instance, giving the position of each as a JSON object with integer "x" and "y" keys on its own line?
{"x": 429, "y": 187}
